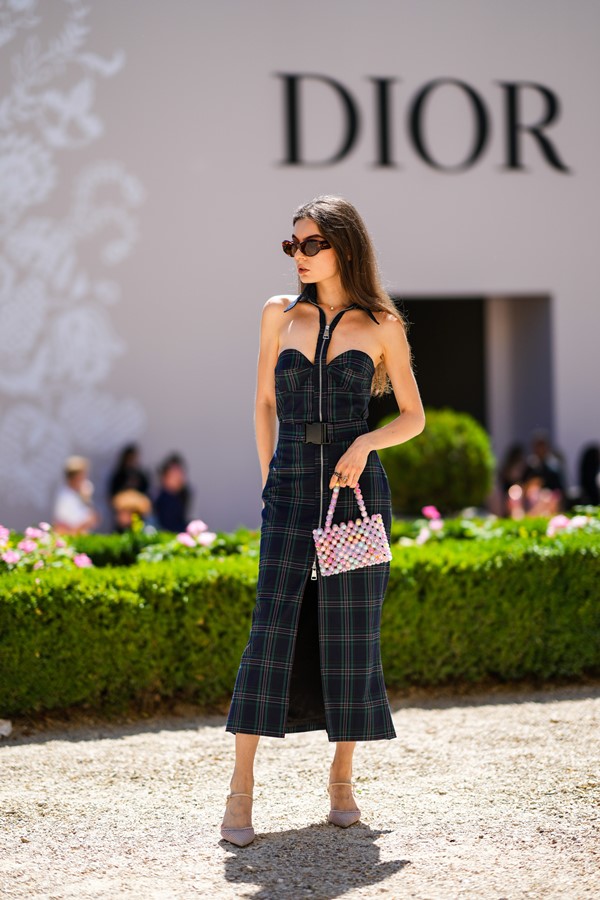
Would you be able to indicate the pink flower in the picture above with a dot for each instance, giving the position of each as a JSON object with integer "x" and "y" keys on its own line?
{"x": 430, "y": 512}
{"x": 423, "y": 536}
{"x": 206, "y": 538}
{"x": 27, "y": 546}
{"x": 39, "y": 564}
{"x": 186, "y": 539}
{"x": 436, "y": 524}
{"x": 11, "y": 556}
{"x": 557, "y": 523}
{"x": 45, "y": 526}
{"x": 196, "y": 527}
{"x": 34, "y": 533}
{"x": 60, "y": 543}
{"x": 4, "y": 535}
{"x": 82, "y": 561}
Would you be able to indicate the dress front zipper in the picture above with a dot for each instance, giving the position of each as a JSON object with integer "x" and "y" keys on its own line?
{"x": 325, "y": 338}
{"x": 313, "y": 575}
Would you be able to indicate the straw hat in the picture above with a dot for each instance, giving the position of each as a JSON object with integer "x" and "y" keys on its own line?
{"x": 131, "y": 501}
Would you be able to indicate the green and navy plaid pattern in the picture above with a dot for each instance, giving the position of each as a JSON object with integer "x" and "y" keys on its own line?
{"x": 349, "y": 604}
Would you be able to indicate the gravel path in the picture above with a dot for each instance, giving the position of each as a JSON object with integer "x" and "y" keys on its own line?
{"x": 481, "y": 796}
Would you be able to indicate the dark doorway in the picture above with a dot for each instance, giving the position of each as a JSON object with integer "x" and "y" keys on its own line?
{"x": 447, "y": 337}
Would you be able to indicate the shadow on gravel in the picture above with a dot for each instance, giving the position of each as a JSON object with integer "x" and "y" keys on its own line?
{"x": 321, "y": 860}
{"x": 77, "y": 725}
{"x": 81, "y": 727}
{"x": 493, "y": 695}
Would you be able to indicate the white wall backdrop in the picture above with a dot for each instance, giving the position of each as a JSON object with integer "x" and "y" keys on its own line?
{"x": 143, "y": 198}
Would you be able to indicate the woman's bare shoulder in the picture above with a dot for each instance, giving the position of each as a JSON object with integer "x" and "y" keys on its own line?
{"x": 274, "y": 307}
{"x": 385, "y": 318}
{"x": 279, "y": 301}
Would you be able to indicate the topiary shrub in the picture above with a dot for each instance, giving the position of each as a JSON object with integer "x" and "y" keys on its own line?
{"x": 450, "y": 464}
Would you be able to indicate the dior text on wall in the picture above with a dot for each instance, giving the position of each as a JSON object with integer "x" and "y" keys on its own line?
{"x": 522, "y": 132}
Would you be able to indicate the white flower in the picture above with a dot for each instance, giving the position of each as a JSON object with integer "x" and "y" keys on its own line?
{"x": 196, "y": 527}
{"x": 423, "y": 535}
{"x": 579, "y": 521}
{"x": 557, "y": 523}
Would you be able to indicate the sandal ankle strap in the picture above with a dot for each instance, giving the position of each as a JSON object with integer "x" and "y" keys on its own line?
{"x": 335, "y": 783}
{"x": 239, "y": 794}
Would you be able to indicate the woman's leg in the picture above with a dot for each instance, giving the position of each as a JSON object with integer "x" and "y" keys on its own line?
{"x": 341, "y": 770}
{"x": 238, "y": 813}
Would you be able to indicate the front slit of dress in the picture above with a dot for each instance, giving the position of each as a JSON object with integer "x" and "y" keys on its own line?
{"x": 306, "y": 706}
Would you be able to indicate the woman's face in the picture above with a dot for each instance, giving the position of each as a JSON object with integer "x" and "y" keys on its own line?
{"x": 313, "y": 269}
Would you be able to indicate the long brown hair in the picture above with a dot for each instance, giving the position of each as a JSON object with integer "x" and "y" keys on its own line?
{"x": 342, "y": 226}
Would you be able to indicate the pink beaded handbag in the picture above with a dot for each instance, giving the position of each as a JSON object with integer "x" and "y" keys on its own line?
{"x": 351, "y": 545}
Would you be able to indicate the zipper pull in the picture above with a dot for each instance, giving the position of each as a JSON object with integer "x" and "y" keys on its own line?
{"x": 326, "y": 333}
{"x": 313, "y": 574}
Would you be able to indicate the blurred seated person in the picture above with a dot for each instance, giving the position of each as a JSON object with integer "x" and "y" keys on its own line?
{"x": 544, "y": 470}
{"x": 533, "y": 499}
{"x": 172, "y": 502}
{"x": 127, "y": 504}
{"x": 589, "y": 475}
{"x": 128, "y": 474}
{"x": 510, "y": 472}
{"x": 73, "y": 511}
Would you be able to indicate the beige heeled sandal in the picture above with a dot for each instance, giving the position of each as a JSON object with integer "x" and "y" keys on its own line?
{"x": 342, "y": 817}
{"x": 241, "y": 837}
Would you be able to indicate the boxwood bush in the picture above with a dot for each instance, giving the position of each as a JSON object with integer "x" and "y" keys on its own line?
{"x": 450, "y": 464}
{"x": 106, "y": 636}
{"x": 457, "y": 610}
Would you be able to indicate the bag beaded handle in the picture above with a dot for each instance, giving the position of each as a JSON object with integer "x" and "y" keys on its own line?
{"x": 333, "y": 501}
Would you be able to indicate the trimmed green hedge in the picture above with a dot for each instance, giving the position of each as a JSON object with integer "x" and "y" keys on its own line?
{"x": 107, "y": 636}
{"x": 117, "y": 549}
{"x": 471, "y": 611}
{"x": 454, "y": 611}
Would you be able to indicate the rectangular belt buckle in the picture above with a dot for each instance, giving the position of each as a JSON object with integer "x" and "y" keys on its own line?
{"x": 316, "y": 433}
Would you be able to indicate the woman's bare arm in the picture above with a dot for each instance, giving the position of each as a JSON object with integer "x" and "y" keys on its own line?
{"x": 410, "y": 422}
{"x": 265, "y": 413}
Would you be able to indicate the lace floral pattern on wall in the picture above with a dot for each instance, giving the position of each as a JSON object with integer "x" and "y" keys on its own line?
{"x": 57, "y": 341}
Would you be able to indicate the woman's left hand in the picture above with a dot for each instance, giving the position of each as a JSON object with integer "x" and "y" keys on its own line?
{"x": 350, "y": 466}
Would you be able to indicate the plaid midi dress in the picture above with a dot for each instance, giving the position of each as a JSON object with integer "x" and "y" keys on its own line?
{"x": 313, "y": 658}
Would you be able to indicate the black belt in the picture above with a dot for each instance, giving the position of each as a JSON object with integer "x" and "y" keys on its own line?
{"x": 322, "y": 432}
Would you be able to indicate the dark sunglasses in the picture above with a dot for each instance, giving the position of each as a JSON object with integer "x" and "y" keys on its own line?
{"x": 310, "y": 247}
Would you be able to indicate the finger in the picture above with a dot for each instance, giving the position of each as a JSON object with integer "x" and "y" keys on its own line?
{"x": 336, "y": 477}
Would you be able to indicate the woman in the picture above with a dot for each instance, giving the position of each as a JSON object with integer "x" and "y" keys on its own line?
{"x": 128, "y": 474}
{"x": 313, "y": 658}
